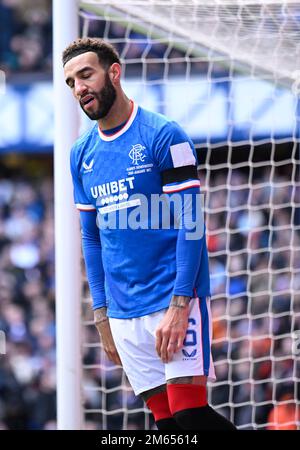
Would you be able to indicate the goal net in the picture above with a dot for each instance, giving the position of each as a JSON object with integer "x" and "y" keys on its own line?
{"x": 228, "y": 72}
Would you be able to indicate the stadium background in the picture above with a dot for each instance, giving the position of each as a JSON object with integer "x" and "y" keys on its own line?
{"x": 27, "y": 272}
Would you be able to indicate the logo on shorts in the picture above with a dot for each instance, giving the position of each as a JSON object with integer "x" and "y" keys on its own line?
{"x": 189, "y": 355}
{"x": 190, "y": 341}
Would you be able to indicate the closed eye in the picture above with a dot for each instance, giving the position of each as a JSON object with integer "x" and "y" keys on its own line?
{"x": 86, "y": 75}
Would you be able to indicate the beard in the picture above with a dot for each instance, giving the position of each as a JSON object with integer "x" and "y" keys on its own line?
{"x": 105, "y": 99}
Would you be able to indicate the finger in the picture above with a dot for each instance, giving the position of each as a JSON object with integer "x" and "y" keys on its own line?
{"x": 171, "y": 350}
{"x": 118, "y": 359}
{"x": 163, "y": 350}
{"x": 113, "y": 356}
{"x": 158, "y": 343}
{"x": 179, "y": 344}
{"x": 174, "y": 345}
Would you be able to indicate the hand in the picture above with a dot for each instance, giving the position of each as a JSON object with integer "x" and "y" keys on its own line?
{"x": 172, "y": 329}
{"x": 102, "y": 324}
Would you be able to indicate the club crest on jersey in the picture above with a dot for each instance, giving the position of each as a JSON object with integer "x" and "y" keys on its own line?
{"x": 136, "y": 154}
{"x": 88, "y": 167}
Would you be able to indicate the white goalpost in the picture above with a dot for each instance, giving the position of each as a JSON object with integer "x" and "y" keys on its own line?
{"x": 67, "y": 240}
{"x": 228, "y": 72}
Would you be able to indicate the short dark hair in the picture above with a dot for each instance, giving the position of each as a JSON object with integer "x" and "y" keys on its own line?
{"x": 107, "y": 54}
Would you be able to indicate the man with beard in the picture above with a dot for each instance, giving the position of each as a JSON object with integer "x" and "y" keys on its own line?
{"x": 149, "y": 283}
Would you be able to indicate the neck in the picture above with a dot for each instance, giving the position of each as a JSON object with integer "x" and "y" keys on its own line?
{"x": 119, "y": 113}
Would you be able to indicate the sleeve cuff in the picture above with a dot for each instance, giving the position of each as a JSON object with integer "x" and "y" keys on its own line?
{"x": 169, "y": 189}
{"x": 99, "y": 304}
{"x": 83, "y": 207}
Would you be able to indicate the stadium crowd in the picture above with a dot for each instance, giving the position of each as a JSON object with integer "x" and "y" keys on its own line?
{"x": 254, "y": 263}
{"x": 26, "y": 36}
{"x": 252, "y": 328}
{"x": 27, "y": 371}
{"x": 26, "y": 42}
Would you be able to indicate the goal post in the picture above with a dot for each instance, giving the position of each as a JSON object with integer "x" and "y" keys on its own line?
{"x": 67, "y": 238}
{"x": 227, "y": 71}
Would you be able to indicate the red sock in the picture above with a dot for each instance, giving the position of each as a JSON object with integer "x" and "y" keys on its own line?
{"x": 186, "y": 396}
{"x": 159, "y": 406}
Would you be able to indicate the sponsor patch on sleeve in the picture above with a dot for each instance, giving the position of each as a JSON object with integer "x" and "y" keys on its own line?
{"x": 182, "y": 154}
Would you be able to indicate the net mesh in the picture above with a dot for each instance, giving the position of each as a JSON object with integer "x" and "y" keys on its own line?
{"x": 227, "y": 72}
{"x": 263, "y": 35}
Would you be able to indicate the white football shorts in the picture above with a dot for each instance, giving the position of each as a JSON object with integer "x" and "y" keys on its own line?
{"x": 135, "y": 342}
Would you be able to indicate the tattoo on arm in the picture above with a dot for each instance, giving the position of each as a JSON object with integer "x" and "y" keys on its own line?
{"x": 180, "y": 301}
{"x": 100, "y": 315}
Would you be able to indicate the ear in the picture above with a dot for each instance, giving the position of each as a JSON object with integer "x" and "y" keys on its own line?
{"x": 115, "y": 73}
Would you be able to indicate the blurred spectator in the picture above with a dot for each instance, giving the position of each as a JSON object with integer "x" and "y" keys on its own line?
{"x": 285, "y": 415}
{"x": 27, "y": 371}
{"x": 252, "y": 242}
{"x": 25, "y": 35}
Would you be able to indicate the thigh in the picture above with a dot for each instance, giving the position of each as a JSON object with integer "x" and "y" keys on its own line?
{"x": 135, "y": 342}
{"x": 157, "y": 390}
{"x": 194, "y": 361}
{"x": 200, "y": 380}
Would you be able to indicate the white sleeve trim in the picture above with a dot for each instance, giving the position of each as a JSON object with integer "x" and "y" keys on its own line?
{"x": 181, "y": 186}
{"x": 85, "y": 207}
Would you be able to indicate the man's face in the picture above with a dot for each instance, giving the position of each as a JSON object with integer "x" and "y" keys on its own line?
{"x": 90, "y": 84}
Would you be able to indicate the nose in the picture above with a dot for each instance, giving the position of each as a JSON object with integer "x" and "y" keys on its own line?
{"x": 80, "y": 88}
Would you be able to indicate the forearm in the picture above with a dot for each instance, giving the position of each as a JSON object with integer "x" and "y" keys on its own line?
{"x": 102, "y": 324}
{"x": 94, "y": 270}
{"x": 189, "y": 243}
{"x": 100, "y": 316}
{"x": 92, "y": 253}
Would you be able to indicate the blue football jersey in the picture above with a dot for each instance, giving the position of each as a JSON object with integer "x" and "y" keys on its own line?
{"x": 117, "y": 175}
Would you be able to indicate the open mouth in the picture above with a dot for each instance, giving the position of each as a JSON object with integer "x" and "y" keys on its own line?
{"x": 87, "y": 99}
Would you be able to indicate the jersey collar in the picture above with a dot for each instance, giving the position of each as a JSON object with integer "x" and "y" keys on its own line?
{"x": 125, "y": 127}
